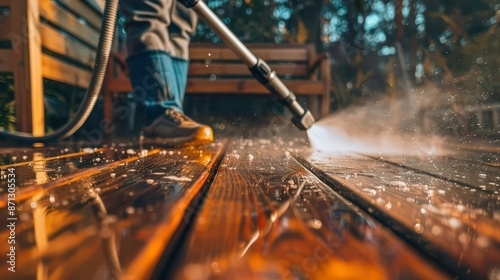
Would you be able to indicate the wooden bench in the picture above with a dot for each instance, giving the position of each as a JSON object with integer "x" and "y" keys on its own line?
{"x": 49, "y": 39}
{"x": 214, "y": 69}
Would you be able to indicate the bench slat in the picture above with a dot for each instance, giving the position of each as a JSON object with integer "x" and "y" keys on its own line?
{"x": 83, "y": 9}
{"x": 6, "y": 60}
{"x": 235, "y": 86}
{"x": 56, "y": 42}
{"x": 200, "y": 69}
{"x": 57, "y": 70}
{"x": 68, "y": 22}
{"x": 222, "y": 53}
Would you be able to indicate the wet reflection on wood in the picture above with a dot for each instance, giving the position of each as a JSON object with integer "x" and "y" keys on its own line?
{"x": 40, "y": 169}
{"x": 488, "y": 158}
{"x": 114, "y": 212}
{"x": 266, "y": 217}
{"x": 98, "y": 219}
{"x": 457, "y": 224}
{"x": 469, "y": 173}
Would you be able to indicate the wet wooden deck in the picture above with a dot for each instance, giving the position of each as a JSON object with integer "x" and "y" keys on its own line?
{"x": 249, "y": 209}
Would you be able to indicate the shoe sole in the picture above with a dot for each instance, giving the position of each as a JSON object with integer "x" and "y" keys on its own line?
{"x": 199, "y": 138}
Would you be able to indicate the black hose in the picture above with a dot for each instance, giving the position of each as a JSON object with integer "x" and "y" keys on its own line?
{"x": 88, "y": 103}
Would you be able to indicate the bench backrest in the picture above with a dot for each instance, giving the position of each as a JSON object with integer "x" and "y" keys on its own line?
{"x": 288, "y": 60}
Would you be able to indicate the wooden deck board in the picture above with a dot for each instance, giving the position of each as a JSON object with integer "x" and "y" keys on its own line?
{"x": 468, "y": 173}
{"x": 266, "y": 217}
{"x": 132, "y": 204}
{"x": 443, "y": 218}
{"x": 485, "y": 158}
{"x": 262, "y": 215}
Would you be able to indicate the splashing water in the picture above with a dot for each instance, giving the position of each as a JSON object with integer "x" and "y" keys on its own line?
{"x": 372, "y": 129}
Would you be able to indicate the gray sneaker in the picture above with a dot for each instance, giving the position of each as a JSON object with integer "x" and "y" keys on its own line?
{"x": 175, "y": 128}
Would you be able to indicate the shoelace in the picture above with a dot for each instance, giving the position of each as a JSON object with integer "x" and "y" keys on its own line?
{"x": 176, "y": 115}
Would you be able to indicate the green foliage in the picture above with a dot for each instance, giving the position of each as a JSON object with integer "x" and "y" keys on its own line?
{"x": 262, "y": 21}
{"x": 7, "y": 103}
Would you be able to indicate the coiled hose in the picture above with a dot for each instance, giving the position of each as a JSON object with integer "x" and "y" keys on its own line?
{"x": 90, "y": 98}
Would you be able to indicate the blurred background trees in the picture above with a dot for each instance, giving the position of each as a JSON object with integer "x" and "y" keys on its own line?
{"x": 447, "y": 49}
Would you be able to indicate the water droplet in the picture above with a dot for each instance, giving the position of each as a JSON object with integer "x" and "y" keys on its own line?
{"x": 436, "y": 230}
{"x": 113, "y": 175}
{"x": 482, "y": 241}
{"x": 130, "y": 210}
{"x": 316, "y": 224}
{"x": 418, "y": 228}
{"x": 388, "y": 205}
{"x": 371, "y": 192}
{"x": 250, "y": 157}
{"x": 178, "y": 179}
{"x": 98, "y": 159}
{"x": 399, "y": 184}
{"x": 33, "y": 204}
{"x": 454, "y": 222}
{"x": 52, "y": 199}
{"x": 150, "y": 181}
{"x": 215, "y": 267}
{"x": 25, "y": 157}
{"x": 130, "y": 152}
{"x": 88, "y": 150}
{"x": 380, "y": 200}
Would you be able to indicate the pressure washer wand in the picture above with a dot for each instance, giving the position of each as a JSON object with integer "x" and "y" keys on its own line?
{"x": 302, "y": 118}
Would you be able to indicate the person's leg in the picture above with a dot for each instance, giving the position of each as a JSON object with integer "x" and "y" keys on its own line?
{"x": 149, "y": 47}
{"x": 158, "y": 67}
{"x": 181, "y": 29}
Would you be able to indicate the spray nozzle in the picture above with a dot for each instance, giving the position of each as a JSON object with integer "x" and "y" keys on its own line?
{"x": 303, "y": 122}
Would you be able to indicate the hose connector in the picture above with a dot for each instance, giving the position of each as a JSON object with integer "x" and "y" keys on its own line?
{"x": 302, "y": 118}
